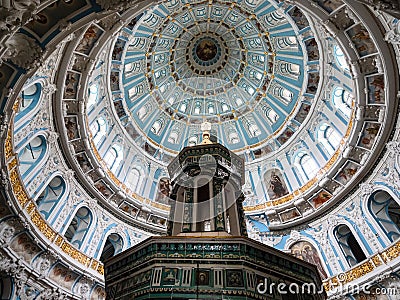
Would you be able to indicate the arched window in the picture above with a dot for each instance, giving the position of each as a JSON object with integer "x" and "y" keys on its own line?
{"x": 342, "y": 100}
{"x": 251, "y": 127}
{"x": 257, "y": 59}
{"x": 160, "y": 73}
{"x": 192, "y": 141}
{"x": 233, "y": 137}
{"x": 183, "y": 107}
{"x": 386, "y": 212}
{"x": 50, "y": 196}
{"x": 349, "y": 245}
{"x": 132, "y": 67}
{"x": 136, "y": 91}
{"x": 283, "y": 94}
{"x": 289, "y": 69}
{"x": 271, "y": 115}
{"x": 93, "y": 94}
{"x": 98, "y": 130}
{"x": 340, "y": 58}
{"x": 197, "y": 108}
{"x": 328, "y": 137}
{"x": 225, "y": 107}
{"x": 306, "y": 165}
{"x": 114, "y": 245}
{"x": 134, "y": 179}
{"x": 143, "y": 112}
{"x": 286, "y": 43}
{"x": 173, "y": 137}
{"x": 239, "y": 101}
{"x": 253, "y": 74}
{"x": 29, "y": 100}
{"x": 307, "y": 252}
{"x": 31, "y": 155}
{"x": 113, "y": 157}
{"x": 79, "y": 226}
{"x": 254, "y": 130}
{"x": 274, "y": 18}
{"x": 211, "y": 109}
{"x": 157, "y": 126}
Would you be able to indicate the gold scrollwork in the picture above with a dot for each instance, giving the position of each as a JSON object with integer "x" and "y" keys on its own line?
{"x": 377, "y": 260}
{"x": 75, "y": 254}
{"x": 18, "y": 188}
{"x": 363, "y": 269}
{"x": 391, "y": 253}
{"x": 8, "y": 146}
{"x": 15, "y": 107}
{"x": 100, "y": 269}
{"x": 12, "y": 164}
{"x": 59, "y": 241}
{"x": 94, "y": 264}
{"x": 30, "y": 207}
{"x": 43, "y": 226}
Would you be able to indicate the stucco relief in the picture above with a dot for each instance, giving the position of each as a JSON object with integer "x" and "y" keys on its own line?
{"x": 16, "y": 13}
{"x": 23, "y": 51}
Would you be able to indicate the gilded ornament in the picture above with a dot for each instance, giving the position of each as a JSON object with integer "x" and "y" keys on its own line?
{"x": 8, "y": 146}
{"x": 12, "y": 164}
{"x": 48, "y": 232}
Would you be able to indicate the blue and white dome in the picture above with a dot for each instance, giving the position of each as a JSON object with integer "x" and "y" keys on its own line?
{"x": 256, "y": 71}
{"x": 249, "y": 86}
{"x": 99, "y": 96}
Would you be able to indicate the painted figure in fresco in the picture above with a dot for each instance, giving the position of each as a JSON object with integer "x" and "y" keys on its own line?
{"x": 88, "y": 39}
{"x": 361, "y": 35}
{"x": 369, "y": 135}
{"x": 164, "y": 188}
{"x": 206, "y": 50}
{"x": 346, "y": 174}
{"x": 377, "y": 89}
{"x": 329, "y": 5}
{"x": 70, "y": 84}
{"x": 321, "y": 199}
{"x": 307, "y": 252}
{"x": 277, "y": 186}
{"x": 292, "y": 214}
{"x": 72, "y": 129}
{"x": 202, "y": 278}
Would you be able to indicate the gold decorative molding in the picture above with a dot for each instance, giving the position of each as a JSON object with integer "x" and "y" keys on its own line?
{"x": 308, "y": 185}
{"x": 18, "y": 188}
{"x": 26, "y": 202}
{"x": 44, "y": 228}
{"x": 74, "y": 253}
{"x": 391, "y": 253}
{"x": 15, "y": 107}
{"x": 8, "y": 145}
{"x": 12, "y": 164}
{"x": 376, "y": 261}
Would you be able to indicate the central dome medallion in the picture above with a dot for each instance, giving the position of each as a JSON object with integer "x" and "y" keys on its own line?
{"x": 206, "y": 49}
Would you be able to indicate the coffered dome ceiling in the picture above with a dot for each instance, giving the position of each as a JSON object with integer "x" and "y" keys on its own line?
{"x": 233, "y": 65}
{"x": 274, "y": 84}
{"x": 110, "y": 92}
